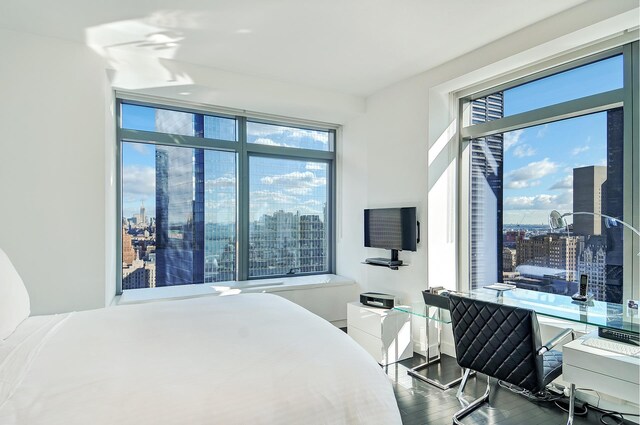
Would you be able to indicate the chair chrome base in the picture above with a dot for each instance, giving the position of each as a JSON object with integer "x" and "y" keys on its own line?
{"x": 572, "y": 403}
{"x": 485, "y": 398}
{"x": 474, "y": 404}
{"x": 443, "y": 386}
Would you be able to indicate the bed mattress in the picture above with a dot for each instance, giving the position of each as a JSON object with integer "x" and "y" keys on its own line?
{"x": 241, "y": 359}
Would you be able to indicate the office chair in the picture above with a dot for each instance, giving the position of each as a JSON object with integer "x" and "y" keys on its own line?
{"x": 503, "y": 342}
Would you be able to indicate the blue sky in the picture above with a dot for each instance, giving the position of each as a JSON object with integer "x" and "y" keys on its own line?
{"x": 539, "y": 161}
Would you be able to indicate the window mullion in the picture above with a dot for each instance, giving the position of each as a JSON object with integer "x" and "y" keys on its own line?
{"x": 631, "y": 211}
{"x": 242, "y": 245}
{"x": 547, "y": 114}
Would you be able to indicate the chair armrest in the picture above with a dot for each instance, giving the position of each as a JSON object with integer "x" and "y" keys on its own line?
{"x": 555, "y": 340}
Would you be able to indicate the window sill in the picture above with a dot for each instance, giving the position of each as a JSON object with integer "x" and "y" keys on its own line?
{"x": 144, "y": 295}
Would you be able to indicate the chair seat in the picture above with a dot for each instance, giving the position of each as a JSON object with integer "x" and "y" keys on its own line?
{"x": 552, "y": 361}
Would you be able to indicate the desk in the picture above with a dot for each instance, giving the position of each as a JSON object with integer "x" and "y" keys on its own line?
{"x": 611, "y": 373}
{"x": 432, "y": 356}
{"x": 594, "y": 313}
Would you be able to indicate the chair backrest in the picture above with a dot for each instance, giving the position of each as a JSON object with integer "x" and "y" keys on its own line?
{"x": 497, "y": 340}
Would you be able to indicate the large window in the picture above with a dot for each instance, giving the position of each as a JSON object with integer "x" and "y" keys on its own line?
{"x": 566, "y": 141}
{"x": 208, "y": 198}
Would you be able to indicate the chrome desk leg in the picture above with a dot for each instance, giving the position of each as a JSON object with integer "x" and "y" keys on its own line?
{"x": 473, "y": 405}
{"x": 572, "y": 402}
{"x": 414, "y": 371}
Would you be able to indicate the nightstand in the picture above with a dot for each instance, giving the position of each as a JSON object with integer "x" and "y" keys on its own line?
{"x": 383, "y": 333}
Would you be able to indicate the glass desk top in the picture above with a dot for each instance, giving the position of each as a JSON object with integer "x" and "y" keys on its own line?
{"x": 595, "y": 313}
{"x": 427, "y": 311}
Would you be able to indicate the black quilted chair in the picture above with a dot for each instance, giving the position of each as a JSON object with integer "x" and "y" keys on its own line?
{"x": 502, "y": 342}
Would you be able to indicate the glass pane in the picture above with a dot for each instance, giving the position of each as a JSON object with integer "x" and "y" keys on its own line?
{"x": 135, "y": 117}
{"x": 178, "y": 209}
{"x": 288, "y": 217}
{"x": 517, "y": 178}
{"x": 220, "y": 128}
{"x": 290, "y": 137}
{"x": 587, "y": 80}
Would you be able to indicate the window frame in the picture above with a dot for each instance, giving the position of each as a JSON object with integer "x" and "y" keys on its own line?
{"x": 626, "y": 97}
{"x": 244, "y": 151}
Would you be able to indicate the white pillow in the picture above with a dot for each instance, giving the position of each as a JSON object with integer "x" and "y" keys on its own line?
{"x": 14, "y": 298}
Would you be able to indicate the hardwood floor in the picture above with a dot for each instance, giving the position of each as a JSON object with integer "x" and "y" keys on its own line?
{"x": 421, "y": 403}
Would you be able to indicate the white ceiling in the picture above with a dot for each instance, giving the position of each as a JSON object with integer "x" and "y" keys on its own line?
{"x": 348, "y": 46}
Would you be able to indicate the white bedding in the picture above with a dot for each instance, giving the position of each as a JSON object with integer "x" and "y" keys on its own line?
{"x": 242, "y": 359}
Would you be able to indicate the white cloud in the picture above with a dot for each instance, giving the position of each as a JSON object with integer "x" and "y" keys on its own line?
{"x": 522, "y": 184}
{"x": 536, "y": 202}
{"x": 298, "y": 190}
{"x": 543, "y": 202}
{"x": 267, "y": 197}
{"x": 295, "y": 179}
{"x": 221, "y": 182}
{"x": 268, "y": 142}
{"x": 565, "y": 183}
{"x": 141, "y": 148}
{"x": 138, "y": 182}
{"x": 532, "y": 171}
{"x": 579, "y": 150}
{"x": 265, "y": 130}
{"x": 315, "y": 166}
{"x": 511, "y": 138}
{"x": 522, "y": 151}
{"x": 542, "y": 131}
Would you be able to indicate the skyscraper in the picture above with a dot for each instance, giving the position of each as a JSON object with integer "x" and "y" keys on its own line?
{"x": 486, "y": 193}
{"x": 613, "y": 202}
{"x": 179, "y": 206}
{"x": 588, "y": 183}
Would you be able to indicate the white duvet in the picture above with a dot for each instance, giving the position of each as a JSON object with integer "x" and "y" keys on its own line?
{"x": 243, "y": 359}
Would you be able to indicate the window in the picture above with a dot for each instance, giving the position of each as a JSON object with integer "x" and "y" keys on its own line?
{"x": 287, "y": 213}
{"x": 563, "y": 141}
{"x": 185, "y": 209}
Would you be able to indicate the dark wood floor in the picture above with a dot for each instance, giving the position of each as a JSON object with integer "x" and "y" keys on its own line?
{"x": 421, "y": 403}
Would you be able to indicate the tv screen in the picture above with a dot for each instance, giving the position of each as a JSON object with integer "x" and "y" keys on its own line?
{"x": 390, "y": 228}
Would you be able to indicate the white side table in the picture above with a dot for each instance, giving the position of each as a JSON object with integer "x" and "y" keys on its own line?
{"x": 383, "y": 333}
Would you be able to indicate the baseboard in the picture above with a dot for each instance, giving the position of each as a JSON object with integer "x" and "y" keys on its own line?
{"x": 339, "y": 323}
{"x": 448, "y": 349}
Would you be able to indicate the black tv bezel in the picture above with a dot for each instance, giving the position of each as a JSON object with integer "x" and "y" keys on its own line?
{"x": 409, "y": 229}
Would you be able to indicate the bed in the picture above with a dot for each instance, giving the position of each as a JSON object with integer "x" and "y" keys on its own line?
{"x": 241, "y": 359}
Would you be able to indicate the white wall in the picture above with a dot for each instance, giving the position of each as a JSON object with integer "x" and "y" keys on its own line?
{"x": 52, "y": 174}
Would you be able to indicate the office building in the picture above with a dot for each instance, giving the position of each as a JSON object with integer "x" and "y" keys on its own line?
{"x": 592, "y": 261}
{"x": 179, "y": 206}
{"x": 508, "y": 260}
{"x": 588, "y": 183}
{"x": 553, "y": 251}
{"x": 613, "y": 205}
{"x": 128, "y": 253}
{"x": 486, "y": 188}
{"x": 312, "y": 242}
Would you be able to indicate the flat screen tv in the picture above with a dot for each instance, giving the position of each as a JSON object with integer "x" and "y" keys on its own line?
{"x": 391, "y": 228}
